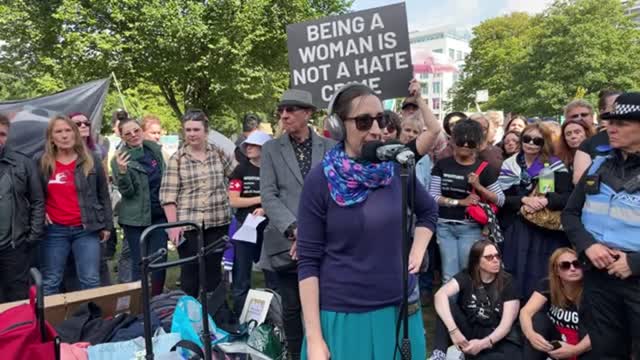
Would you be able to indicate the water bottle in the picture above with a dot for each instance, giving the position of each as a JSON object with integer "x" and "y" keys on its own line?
{"x": 546, "y": 181}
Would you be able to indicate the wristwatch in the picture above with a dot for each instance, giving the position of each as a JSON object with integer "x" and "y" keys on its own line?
{"x": 453, "y": 202}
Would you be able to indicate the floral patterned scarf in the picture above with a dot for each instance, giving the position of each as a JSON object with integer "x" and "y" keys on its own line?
{"x": 350, "y": 182}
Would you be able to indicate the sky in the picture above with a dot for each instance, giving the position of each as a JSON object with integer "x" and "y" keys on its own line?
{"x": 424, "y": 14}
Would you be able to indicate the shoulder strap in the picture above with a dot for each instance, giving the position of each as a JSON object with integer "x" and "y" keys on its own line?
{"x": 191, "y": 346}
{"x": 481, "y": 168}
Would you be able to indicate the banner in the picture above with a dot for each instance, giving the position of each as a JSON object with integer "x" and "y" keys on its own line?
{"x": 29, "y": 118}
{"x": 369, "y": 46}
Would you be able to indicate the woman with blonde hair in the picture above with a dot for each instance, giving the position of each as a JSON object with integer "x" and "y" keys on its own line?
{"x": 77, "y": 204}
{"x": 556, "y": 332}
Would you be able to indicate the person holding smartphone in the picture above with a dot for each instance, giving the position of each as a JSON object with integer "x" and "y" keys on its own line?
{"x": 556, "y": 332}
{"x": 137, "y": 170}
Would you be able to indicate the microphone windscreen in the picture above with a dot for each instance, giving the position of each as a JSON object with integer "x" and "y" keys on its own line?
{"x": 369, "y": 151}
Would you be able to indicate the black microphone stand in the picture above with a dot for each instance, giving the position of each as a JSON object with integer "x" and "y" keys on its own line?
{"x": 406, "y": 169}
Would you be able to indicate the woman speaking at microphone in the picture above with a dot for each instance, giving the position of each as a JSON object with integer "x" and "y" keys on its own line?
{"x": 349, "y": 244}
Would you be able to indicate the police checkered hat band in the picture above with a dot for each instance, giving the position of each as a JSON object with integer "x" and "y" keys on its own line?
{"x": 627, "y": 107}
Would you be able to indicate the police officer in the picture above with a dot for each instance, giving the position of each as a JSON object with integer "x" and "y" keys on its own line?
{"x": 21, "y": 218}
{"x": 602, "y": 219}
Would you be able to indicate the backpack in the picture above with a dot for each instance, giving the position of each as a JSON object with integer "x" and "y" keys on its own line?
{"x": 164, "y": 305}
{"x": 24, "y": 334}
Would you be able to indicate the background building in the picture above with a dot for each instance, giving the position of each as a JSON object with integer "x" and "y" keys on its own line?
{"x": 438, "y": 57}
{"x": 634, "y": 9}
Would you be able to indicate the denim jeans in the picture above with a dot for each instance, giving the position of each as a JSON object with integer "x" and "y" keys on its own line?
{"x": 455, "y": 241}
{"x": 155, "y": 241}
{"x": 59, "y": 241}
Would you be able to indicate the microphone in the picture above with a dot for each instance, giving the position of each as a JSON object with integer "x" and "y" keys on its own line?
{"x": 377, "y": 151}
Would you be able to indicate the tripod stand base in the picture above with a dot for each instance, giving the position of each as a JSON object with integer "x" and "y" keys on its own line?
{"x": 405, "y": 349}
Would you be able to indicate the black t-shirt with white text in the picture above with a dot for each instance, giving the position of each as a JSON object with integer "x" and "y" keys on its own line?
{"x": 596, "y": 145}
{"x": 454, "y": 183}
{"x": 566, "y": 320}
{"x": 245, "y": 179}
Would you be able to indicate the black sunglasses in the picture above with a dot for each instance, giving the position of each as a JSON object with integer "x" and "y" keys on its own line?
{"x": 566, "y": 265}
{"x": 579, "y": 115}
{"x": 85, "y": 123}
{"x": 290, "y": 109}
{"x": 490, "y": 257}
{"x": 364, "y": 122}
{"x": 469, "y": 144}
{"x": 537, "y": 141}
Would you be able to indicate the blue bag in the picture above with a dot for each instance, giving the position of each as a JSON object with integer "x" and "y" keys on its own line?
{"x": 187, "y": 321}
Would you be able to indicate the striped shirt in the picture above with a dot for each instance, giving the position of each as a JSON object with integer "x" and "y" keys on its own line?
{"x": 198, "y": 188}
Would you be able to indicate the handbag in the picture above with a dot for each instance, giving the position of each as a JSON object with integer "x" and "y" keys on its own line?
{"x": 282, "y": 261}
{"x": 545, "y": 218}
{"x": 475, "y": 211}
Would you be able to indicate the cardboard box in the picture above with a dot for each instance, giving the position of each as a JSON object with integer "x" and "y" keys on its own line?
{"x": 115, "y": 299}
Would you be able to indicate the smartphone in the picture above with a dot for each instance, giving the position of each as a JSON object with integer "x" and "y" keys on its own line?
{"x": 556, "y": 344}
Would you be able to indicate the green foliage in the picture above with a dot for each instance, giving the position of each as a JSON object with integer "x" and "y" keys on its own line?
{"x": 535, "y": 65}
{"x": 226, "y": 57}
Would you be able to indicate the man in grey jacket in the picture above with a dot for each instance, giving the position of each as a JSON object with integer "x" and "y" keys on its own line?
{"x": 285, "y": 163}
{"x": 22, "y": 220}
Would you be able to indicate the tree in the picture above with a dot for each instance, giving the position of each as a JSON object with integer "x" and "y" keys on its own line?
{"x": 497, "y": 46}
{"x": 223, "y": 56}
{"x": 538, "y": 65}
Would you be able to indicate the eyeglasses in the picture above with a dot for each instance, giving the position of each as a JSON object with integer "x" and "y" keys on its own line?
{"x": 469, "y": 144}
{"x": 131, "y": 133}
{"x": 290, "y": 109}
{"x": 491, "y": 257}
{"x": 566, "y": 265}
{"x": 83, "y": 123}
{"x": 579, "y": 115}
{"x": 537, "y": 141}
{"x": 364, "y": 122}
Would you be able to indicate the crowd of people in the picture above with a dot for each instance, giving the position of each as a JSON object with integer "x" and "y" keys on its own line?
{"x": 531, "y": 226}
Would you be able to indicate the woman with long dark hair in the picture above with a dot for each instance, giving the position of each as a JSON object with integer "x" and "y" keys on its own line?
{"x": 477, "y": 308}
{"x": 551, "y": 314}
{"x": 349, "y": 241}
{"x": 137, "y": 170}
{"x": 78, "y": 208}
{"x": 527, "y": 246}
{"x": 456, "y": 183}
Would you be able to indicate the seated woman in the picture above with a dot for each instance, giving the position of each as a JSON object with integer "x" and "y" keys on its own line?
{"x": 477, "y": 308}
{"x": 556, "y": 332}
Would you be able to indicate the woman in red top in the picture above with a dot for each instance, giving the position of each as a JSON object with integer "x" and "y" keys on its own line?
{"x": 556, "y": 332}
{"x": 78, "y": 209}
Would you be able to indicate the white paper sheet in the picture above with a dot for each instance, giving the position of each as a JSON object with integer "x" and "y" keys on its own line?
{"x": 247, "y": 232}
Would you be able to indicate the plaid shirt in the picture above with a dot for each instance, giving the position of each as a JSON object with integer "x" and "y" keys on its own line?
{"x": 198, "y": 188}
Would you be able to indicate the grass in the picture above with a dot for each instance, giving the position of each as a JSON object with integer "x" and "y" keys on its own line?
{"x": 257, "y": 281}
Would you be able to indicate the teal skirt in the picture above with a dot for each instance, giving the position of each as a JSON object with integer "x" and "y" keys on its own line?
{"x": 369, "y": 335}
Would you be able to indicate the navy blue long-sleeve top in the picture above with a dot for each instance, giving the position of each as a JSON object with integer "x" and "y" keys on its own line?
{"x": 356, "y": 251}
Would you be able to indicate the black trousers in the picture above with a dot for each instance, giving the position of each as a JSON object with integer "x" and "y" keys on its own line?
{"x": 611, "y": 313}
{"x": 189, "y": 279}
{"x": 543, "y": 326}
{"x": 14, "y": 273}
{"x": 291, "y": 312}
{"x": 501, "y": 350}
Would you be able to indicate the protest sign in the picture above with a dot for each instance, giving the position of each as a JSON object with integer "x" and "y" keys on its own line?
{"x": 369, "y": 46}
